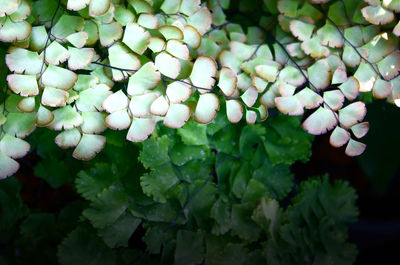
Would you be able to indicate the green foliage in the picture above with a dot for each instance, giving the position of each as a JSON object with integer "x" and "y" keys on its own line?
{"x": 285, "y": 142}
{"x": 210, "y": 93}
{"x": 91, "y": 184}
{"x": 107, "y": 207}
{"x": 83, "y": 71}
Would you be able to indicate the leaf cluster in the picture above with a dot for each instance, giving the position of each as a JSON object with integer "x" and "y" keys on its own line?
{"x": 80, "y": 67}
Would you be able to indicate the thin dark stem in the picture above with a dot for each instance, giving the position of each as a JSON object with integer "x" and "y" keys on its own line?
{"x": 105, "y": 52}
{"x": 124, "y": 82}
{"x": 176, "y": 14}
{"x": 355, "y": 48}
{"x": 114, "y": 67}
{"x": 254, "y": 53}
{"x": 217, "y": 27}
{"x": 297, "y": 66}
{"x": 56, "y": 38}
{"x": 49, "y": 34}
{"x": 312, "y": 86}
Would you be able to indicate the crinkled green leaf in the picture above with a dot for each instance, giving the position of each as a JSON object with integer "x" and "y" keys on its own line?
{"x": 157, "y": 183}
{"x": 91, "y": 183}
{"x": 193, "y": 133}
{"x": 181, "y": 154}
{"x": 278, "y": 179}
{"x": 107, "y": 207}
{"x": 285, "y": 141}
{"x": 155, "y": 152}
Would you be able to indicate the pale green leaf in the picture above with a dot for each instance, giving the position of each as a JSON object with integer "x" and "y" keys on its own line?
{"x": 289, "y": 105}
{"x": 92, "y": 99}
{"x": 321, "y": 121}
{"x": 203, "y": 73}
{"x": 80, "y": 57}
{"x": 23, "y": 61}
{"x": 93, "y": 122}
{"x": 178, "y": 92}
{"x": 89, "y": 146}
{"x": 360, "y": 129}
{"x": 354, "y": 148}
{"x": 65, "y": 118}
{"x": 8, "y": 166}
{"x": 168, "y": 65}
{"x": 352, "y": 114}
{"x": 27, "y": 104}
{"x": 118, "y": 120}
{"x": 25, "y": 85}
{"x": 121, "y": 57}
{"x": 339, "y": 137}
{"x": 15, "y": 31}
{"x": 159, "y": 107}
{"x": 234, "y": 110}
{"x": 13, "y": 147}
{"x": 69, "y": 138}
{"x": 115, "y": 102}
{"x": 177, "y": 116}
{"x": 58, "y": 77}
{"x": 99, "y": 7}
{"x": 146, "y": 78}
{"x": 206, "y": 108}
{"x": 109, "y": 33}
{"x": 136, "y": 38}
{"x": 148, "y": 21}
{"x": 139, "y": 106}
{"x": 141, "y": 129}
{"x": 44, "y": 116}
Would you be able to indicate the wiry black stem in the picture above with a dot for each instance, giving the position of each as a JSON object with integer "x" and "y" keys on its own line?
{"x": 254, "y": 53}
{"x": 105, "y": 52}
{"x": 355, "y": 48}
{"x": 312, "y": 86}
{"x": 49, "y": 34}
{"x": 304, "y": 75}
{"x": 216, "y": 27}
{"x": 297, "y": 66}
{"x": 124, "y": 82}
{"x": 114, "y": 67}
